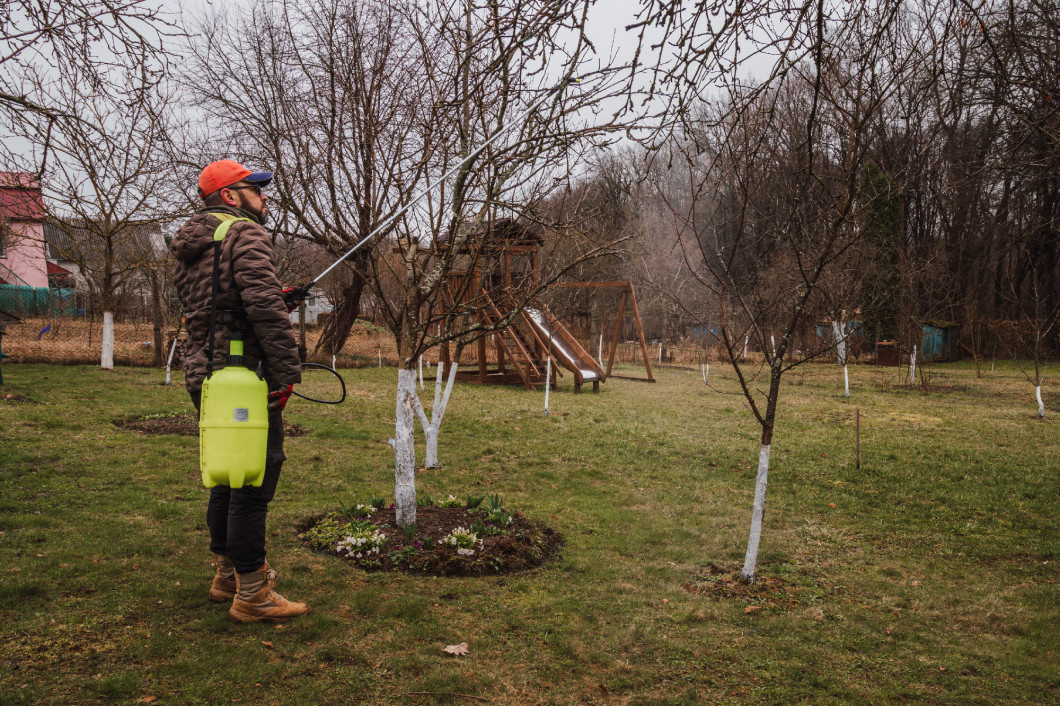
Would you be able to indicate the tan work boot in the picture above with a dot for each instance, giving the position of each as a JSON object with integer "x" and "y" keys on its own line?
{"x": 256, "y": 601}
{"x": 224, "y": 581}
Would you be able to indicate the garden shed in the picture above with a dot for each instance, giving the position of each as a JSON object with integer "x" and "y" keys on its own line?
{"x": 939, "y": 340}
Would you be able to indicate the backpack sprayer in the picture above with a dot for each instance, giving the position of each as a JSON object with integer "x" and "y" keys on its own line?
{"x": 233, "y": 421}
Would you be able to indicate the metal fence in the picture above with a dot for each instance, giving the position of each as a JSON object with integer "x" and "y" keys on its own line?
{"x": 37, "y": 301}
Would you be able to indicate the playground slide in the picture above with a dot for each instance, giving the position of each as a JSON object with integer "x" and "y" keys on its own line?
{"x": 567, "y": 351}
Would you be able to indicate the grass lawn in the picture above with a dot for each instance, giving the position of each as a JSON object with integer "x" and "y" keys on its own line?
{"x": 929, "y": 575}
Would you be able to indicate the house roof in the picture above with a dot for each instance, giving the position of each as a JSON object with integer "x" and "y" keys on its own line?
{"x": 505, "y": 232}
{"x": 20, "y": 197}
{"x": 63, "y": 242}
{"x": 54, "y": 269}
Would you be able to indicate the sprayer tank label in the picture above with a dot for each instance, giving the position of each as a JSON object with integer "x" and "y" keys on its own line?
{"x": 242, "y": 414}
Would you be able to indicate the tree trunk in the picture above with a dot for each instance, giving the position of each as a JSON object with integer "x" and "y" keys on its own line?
{"x": 106, "y": 358}
{"x": 404, "y": 448}
{"x": 342, "y": 318}
{"x": 156, "y": 317}
{"x": 169, "y": 361}
{"x": 759, "y": 512}
{"x": 432, "y": 428}
{"x": 1038, "y": 396}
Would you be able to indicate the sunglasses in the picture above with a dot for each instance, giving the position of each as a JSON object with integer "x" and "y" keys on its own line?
{"x": 256, "y": 188}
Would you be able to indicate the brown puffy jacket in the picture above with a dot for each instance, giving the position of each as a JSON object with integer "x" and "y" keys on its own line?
{"x": 248, "y": 281}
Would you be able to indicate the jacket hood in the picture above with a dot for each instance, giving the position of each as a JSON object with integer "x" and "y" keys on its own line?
{"x": 196, "y": 236}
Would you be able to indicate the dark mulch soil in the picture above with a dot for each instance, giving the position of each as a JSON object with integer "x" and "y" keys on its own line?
{"x": 11, "y": 397}
{"x": 526, "y": 545}
{"x": 184, "y": 425}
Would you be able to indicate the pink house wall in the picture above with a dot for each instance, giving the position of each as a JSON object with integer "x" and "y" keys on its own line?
{"x": 22, "y": 220}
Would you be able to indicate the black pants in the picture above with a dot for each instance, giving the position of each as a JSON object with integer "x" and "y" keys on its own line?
{"x": 236, "y": 518}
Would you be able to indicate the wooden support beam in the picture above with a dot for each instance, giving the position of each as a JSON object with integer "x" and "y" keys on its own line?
{"x": 618, "y": 333}
{"x": 640, "y": 333}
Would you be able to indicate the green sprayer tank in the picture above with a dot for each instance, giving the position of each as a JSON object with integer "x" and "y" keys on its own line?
{"x": 233, "y": 424}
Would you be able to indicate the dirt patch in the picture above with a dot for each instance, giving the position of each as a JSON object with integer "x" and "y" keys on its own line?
{"x": 726, "y": 583}
{"x": 183, "y": 425}
{"x": 924, "y": 389}
{"x": 525, "y": 544}
{"x": 11, "y": 397}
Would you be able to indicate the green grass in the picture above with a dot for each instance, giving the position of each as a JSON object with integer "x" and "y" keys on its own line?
{"x": 927, "y": 575}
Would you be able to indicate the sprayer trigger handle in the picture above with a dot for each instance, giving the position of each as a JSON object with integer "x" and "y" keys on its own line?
{"x": 293, "y": 296}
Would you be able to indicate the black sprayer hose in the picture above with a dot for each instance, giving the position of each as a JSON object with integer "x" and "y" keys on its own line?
{"x": 333, "y": 372}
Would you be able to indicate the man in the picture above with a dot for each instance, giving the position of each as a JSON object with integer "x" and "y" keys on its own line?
{"x": 248, "y": 296}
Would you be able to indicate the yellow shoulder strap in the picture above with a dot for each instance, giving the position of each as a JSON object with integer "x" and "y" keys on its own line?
{"x": 227, "y": 220}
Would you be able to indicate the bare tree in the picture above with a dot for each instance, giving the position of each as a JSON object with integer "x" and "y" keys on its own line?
{"x": 775, "y": 170}
{"x": 105, "y": 195}
{"x": 43, "y": 42}
{"x": 486, "y": 69}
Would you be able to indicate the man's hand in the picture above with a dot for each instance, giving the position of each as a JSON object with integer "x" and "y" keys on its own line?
{"x": 293, "y": 296}
{"x": 278, "y": 399}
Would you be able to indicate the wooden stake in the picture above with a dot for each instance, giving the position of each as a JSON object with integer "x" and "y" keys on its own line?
{"x": 857, "y": 462}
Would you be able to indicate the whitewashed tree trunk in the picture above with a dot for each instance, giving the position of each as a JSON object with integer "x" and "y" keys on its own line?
{"x": 757, "y": 515}
{"x": 841, "y": 353}
{"x": 106, "y": 358}
{"x": 403, "y": 444}
{"x": 706, "y": 373}
{"x": 169, "y": 362}
{"x": 432, "y": 427}
{"x": 912, "y": 367}
{"x": 773, "y": 345}
{"x": 600, "y": 350}
{"x": 421, "y": 373}
{"x": 745, "y": 339}
{"x": 1041, "y": 405}
{"x": 380, "y": 357}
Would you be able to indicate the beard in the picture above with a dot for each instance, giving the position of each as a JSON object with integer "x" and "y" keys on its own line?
{"x": 261, "y": 214}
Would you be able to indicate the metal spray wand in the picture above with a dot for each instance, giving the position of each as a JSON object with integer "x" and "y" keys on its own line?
{"x": 296, "y": 294}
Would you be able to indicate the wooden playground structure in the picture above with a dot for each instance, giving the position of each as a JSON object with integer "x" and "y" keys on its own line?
{"x": 494, "y": 285}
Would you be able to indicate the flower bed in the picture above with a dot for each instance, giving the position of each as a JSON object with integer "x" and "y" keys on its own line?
{"x": 451, "y": 538}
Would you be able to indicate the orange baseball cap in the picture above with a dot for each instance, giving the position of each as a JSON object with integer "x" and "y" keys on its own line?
{"x": 225, "y": 172}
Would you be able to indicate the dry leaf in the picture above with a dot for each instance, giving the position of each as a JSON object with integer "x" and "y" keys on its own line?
{"x": 268, "y": 645}
{"x": 752, "y": 608}
{"x": 147, "y": 699}
{"x": 665, "y": 601}
{"x": 831, "y": 505}
{"x": 914, "y": 583}
{"x": 458, "y": 650}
